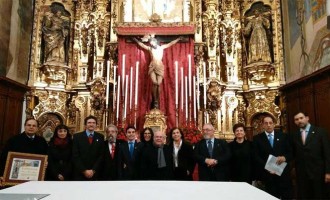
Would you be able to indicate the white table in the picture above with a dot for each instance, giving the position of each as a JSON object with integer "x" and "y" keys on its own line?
{"x": 132, "y": 190}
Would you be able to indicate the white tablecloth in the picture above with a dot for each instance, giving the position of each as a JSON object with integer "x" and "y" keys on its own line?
{"x": 132, "y": 190}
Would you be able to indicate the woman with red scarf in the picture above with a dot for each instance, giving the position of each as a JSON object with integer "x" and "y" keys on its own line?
{"x": 59, "y": 155}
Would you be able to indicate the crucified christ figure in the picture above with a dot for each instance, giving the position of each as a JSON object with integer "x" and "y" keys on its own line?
{"x": 156, "y": 66}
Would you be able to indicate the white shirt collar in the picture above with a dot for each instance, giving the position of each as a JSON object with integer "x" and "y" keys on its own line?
{"x": 272, "y": 133}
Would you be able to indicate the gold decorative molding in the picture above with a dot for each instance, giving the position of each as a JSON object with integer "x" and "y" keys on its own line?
{"x": 262, "y": 101}
{"x": 50, "y": 102}
{"x": 156, "y": 120}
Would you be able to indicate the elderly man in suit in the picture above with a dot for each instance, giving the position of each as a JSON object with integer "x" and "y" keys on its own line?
{"x": 87, "y": 152}
{"x": 111, "y": 153}
{"x": 212, "y": 156}
{"x": 312, "y": 157}
{"x": 129, "y": 156}
{"x": 271, "y": 142}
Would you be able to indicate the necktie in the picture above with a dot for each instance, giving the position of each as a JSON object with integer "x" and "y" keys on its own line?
{"x": 113, "y": 148}
{"x": 90, "y": 138}
{"x": 303, "y": 136}
{"x": 271, "y": 140}
{"x": 131, "y": 149}
{"x": 209, "y": 147}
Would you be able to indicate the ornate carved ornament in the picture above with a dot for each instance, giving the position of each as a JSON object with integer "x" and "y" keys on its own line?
{"x": 214, "y": 95}
{"x": 98, "y": 94}
{"x": 50, "y": 102}
{"x": 156, "y": 120}
{"x": 138, "y": 28}
{"x": 230, "y": 28}
{"x": 262, "y": 102}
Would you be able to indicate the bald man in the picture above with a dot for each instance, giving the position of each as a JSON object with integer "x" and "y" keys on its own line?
{"x": 157, "y": 159}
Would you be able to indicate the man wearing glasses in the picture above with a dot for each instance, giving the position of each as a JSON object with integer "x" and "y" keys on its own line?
{"x": 212, "y": 156}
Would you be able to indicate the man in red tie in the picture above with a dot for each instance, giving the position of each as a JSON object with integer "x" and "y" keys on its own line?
{"x": 312, "y": 157}
{"x": 111, "y": 153}
{"x": 87, "y": 151}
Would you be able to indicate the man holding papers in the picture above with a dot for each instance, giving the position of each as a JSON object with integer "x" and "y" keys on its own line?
{"x": 273, "y": 143}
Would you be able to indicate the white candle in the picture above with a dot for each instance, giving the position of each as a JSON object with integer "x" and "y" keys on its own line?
{"x": 136, "y": 82}
{"x": 189, "y": 74}
{"x": 107, "y": 82}
{"x": 131, "y": 89}
{"x": 328, "y": 7}
{"x": 176, "y": 84}
{"x": 204, "y": 72}
{"x": 123, "y": 72}
{"x": 194, "y": 92}
{"x": 125, "y": 102}
{"x": 197, "y": 84}
{"x": 185, "y": 79}
{"x": 182, "y": 88}
{"x": 118, "y": 91}
{"x": 114, "y": 84}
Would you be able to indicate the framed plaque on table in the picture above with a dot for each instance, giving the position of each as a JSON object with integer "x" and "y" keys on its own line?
{"x": 23, "y": 167}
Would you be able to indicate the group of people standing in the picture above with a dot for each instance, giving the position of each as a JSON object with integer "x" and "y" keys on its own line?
{"x": 87, "y": 156}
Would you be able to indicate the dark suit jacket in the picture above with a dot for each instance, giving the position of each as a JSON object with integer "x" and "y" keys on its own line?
{"x": 221, "y": 153}
{"x": 110, "y": 164}
{"x": 87, "y": 156}
{"x": 149, "y": 164}
{"x": 128, "y": 167}
{"x": 313, "y": 158}
{"x": 186, "y": 161}
{"x": 262, "y": 149}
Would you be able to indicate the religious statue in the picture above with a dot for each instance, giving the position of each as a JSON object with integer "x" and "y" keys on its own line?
{"x": 258, "y": 43}
{"x": 55, "y": 31}
{"x": 156, "y": 66}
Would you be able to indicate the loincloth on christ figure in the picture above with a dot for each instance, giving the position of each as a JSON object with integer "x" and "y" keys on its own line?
{"x": 157, "y": 68}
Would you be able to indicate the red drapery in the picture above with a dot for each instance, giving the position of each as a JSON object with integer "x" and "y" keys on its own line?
{"x": 133, "y": 53}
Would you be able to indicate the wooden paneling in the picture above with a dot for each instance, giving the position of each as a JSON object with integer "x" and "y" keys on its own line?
{"x": 11, "y": 105}
{"x": 310, "y": 94}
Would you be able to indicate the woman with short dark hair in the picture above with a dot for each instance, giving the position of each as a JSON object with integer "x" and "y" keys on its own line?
{"x": 241, "y": 161}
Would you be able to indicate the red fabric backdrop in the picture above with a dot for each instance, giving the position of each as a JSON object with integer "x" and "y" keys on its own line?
{"x": 178, "y": 52}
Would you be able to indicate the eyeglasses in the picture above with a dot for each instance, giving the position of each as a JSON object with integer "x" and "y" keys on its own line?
{"x": 207, "y": 130}
{"x": 147, "y": 133}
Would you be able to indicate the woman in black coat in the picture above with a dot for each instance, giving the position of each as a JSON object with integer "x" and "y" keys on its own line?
{"x": 60, "y": 155}
{"x": 241, "y": 161}
{"x": 183, "y": 161}
{"x": 147, "y": 136}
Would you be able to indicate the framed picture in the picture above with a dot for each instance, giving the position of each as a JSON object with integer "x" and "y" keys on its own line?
{"x": 23, "y": 167}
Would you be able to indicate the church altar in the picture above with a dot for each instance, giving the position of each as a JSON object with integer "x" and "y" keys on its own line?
{"x": 160, "y": 190}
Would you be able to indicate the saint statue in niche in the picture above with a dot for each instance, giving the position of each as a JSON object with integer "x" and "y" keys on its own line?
{"x": 258, "y": 42}
{"x": 156, "y": 66}
{"x": 55, "y": 29}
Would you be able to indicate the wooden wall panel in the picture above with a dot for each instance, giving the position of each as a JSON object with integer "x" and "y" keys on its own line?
{"x": 310, "y": 94}
{"x": 11, "y": 107}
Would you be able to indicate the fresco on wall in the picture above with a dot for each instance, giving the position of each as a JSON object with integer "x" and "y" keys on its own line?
{"x": 318, "y": 8}
{"x": 309, "y": 50}
{"x": 19, "y": 41}
{"x": 294, "y": 28}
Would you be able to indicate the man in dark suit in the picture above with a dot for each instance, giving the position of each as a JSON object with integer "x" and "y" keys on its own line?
{"x": 277, "y": 144}
{"x": 312, "y": 157}
{"x": 157, "y": 159}
{"x": 212, "y": 156}
{"x": 26, "y": 142}
{"x": 111, "y": 153}
{"x": 87, "y": 151}
{"x": 129, "y": 156}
